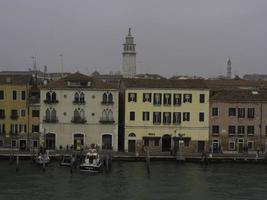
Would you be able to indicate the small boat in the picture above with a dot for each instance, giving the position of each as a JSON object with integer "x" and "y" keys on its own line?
{"x": 42, "y": 158}
{"x": 67, "y": 160}
{"x": 92, "y": 162}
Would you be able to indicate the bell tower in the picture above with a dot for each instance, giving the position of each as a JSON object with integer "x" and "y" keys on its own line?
{"x": 229, "y": 69}
{"x": 129, "y": 56}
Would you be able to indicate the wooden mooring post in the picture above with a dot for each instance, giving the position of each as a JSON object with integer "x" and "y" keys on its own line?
{"x": 17, "y": 162}
{"x": 148, "y": 161}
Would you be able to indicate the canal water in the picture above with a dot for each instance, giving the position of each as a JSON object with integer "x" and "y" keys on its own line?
{"x": 129, "y": 180}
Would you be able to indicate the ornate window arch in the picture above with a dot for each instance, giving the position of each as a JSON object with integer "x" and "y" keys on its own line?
{"x": 105, "y": 98}
{"x": 110, "y": 98}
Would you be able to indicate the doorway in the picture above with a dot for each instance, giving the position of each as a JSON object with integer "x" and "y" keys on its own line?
{"x": 240, "y": 145}
{"x": 200, "y": 146}
{"x": 166, "y": 143}
{"x": 78, "y": 141}
{"x": 22, "y": 145}
{"x": 215, "y": 146}
{"x": 106, "y": 141}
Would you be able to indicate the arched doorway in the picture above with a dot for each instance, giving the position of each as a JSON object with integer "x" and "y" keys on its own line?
{"x": 50, "y": 141}
{"x": 78, "y": 141}
{"x": 131, "y": 142}
{"x": 166, "y": 143}
{"x": 106, "y": 141}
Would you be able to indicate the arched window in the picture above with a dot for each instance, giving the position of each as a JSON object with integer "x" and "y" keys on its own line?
{"x": 132, "y": 135}
{"x": 76, "y": 114}
{"x": 47, "y": 114}
{"x": 104, "y": 115}
{"x": 105, "y": 98}
{"x": 48, "y": 96}
{"x": 82, "y": 114}
{"x": 54, "y": 96}
{"x": 76, "y": 97}
{"x": 82, "y": 97}
{"x": 110, "y": 115}
{"x": 110, "y": 98}
{"x": 53, "y": 114}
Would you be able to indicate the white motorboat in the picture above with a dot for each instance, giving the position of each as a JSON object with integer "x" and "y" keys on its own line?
{"x": 92, "y": 162}
{"x": 42, "y": 158}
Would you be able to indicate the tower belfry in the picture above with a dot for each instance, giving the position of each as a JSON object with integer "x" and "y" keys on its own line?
{"x": 229, "y": 69}
{"x": 129, "y": 56}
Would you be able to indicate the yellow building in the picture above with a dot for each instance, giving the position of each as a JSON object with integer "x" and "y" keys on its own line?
{"x": 14, "y": 119}
{"x": 160, "y": 113}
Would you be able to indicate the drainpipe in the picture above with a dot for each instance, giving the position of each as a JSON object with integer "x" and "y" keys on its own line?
{"x": 260, "y": 126}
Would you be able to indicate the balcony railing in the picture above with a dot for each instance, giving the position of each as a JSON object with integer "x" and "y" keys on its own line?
{"x": 50, "y": 101}
{"x": 14, "y": 116}
{"x": 2, "y": 116}
{"x": 51, "y": 120}
{"x": 104, "y": 120}
{"x": 215, "y": 134}
{"x": 241, "y": 134}
{"x": 107, "y": 102}
{"x": 78, "y": 102}
{"x": 232, "y": 134}
{"x": 78, "y": 120}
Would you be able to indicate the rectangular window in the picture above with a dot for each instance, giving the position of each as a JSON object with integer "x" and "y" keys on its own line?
{"x": 1, "y": 143}
{"x": 187, "y": 98}
{"x": 176, "y": 117}
{"x": 215, "y": 111}
{"x": 202, "y": 98}
{"x": 2, "y": 128}
{"x": 156, "y": 142}
{"x": 241, "y": 112}
{"x": 177, "y": 99}
{"x": 251, "y": 113}
{"x": 215, "y": 130}
{"x": 157, "y": 99}
{"x": 23, "y": 95}
{"x": 2, "y": 94}
{"x": 35, "y": 113}
{"x": 241, "y": 130}
{"x": 231, "y": 130}
{"x": 250, "y": 130}
{"x": 23, "y": 113}
{"x": 201, "y": 117}
{"x": 14, "y": 113}
{"x": 132, "y": 97}
{"x": 232, "y": 112}
{"x": 14, "y": 128}
{"x": 231, "y": 145}
{"x": 250, "y": 145}
{"x": 145, "y": 116}
{"x": 132, "y": 116}
{"x": 14, "y": 143}
{"x": 35, "y": 144}
{"x": 146, "y": 142}
{"x": 156, "y": 117}
{"x": 14, "y": 95}
{"x": 186, "y": 116}
{"x": 2, "y": 113}
{"x": 35, "y": 128}
{"x": 22, "y": 128}
{"x": 167, "y": 99}
{"x": 147, "y": 97}
{"x": 166, "y": 117}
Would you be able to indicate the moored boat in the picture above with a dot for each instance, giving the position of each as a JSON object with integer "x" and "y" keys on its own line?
{"x": 92, "y": 162}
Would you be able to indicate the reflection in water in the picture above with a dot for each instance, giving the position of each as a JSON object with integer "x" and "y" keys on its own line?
{"x": 129, "y": 180}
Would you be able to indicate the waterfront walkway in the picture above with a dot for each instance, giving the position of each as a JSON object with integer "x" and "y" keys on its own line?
{"x": 125, "y": 156}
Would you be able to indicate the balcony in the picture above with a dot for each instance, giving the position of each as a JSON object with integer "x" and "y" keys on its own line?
{"x": 14, "y": 117}
{"x": 232, "y": 134}
{"x": 78, "y": 102}
{"x": 2, "y": 116}
{"x": 241, "y": 134}
{"x": 50, "y": 101}
{"x": 107, "y": 120}
{"x": 215, "y": 134}
{"x": 250, "y": 134}
{"x": 107, "y": 102}
{"x": 50, "y": 120}
{"x": 78, "y": 120}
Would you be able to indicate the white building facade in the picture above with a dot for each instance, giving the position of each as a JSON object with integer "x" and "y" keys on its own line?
{"x": 79, "y": 111}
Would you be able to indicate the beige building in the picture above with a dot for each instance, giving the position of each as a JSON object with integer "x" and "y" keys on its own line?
{"x": 79, "y": 110}
{"x": 159, "y": 113}
{"x": 238, "y": 120}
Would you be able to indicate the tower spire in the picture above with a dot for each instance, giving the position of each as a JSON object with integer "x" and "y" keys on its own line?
{"x": 229, "y": 68}
{"x": 129, "y": 56}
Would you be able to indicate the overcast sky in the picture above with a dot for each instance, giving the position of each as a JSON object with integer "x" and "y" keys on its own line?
{"x": 193, "y": 37}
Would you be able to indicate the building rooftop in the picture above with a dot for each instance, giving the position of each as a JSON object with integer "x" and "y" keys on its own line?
{"x": 15, "y": 79}
{"x": 164, "y": 83}
{"x": 78, "y": 80}
{"x": 240, "y": 95}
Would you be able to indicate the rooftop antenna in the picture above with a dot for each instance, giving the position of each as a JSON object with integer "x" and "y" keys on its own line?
{"x": 61, "y": 64}
{"x": 34, "y": 63}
